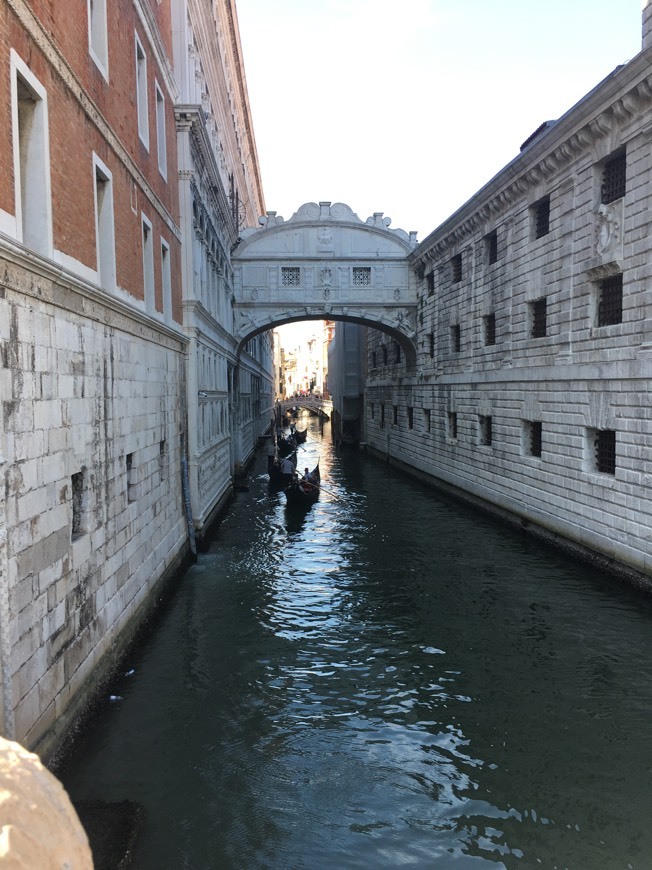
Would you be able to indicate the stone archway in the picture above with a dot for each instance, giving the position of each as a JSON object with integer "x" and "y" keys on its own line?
{"x": 324, "y": 263}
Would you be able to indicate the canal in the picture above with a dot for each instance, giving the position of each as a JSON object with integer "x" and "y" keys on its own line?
{"x": 387, "y": 680}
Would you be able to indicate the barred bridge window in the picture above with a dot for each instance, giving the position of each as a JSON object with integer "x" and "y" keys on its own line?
{"x": 361, "y": 276}
{"x": 614, "y": 178}
{"x": 610, "y": 302}
{"x": 533, "y": 432}
{"x": 290, "y": 276}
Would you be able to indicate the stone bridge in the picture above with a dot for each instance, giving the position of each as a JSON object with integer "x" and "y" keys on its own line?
{"x": 324, "y": 263}
{"x": 324, "y": 407}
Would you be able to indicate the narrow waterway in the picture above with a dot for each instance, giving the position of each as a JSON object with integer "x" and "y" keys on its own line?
{"x": 386, "y": 680}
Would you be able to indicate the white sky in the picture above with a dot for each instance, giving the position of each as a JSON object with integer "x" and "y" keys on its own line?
{"x": 410, "y": 106}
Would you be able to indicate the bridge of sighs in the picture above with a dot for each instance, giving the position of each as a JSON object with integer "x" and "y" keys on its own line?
{"x": 325, "y": 263}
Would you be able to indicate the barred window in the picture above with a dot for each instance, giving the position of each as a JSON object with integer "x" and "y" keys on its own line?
{"x": 430, "y": 283}
{"x": 533, "y": 437}
{"x": 541, "y": 216}
{"x": 456, "y": 268}
{"x": 290, "y": 276}
{"x": 605, "y": 451}
{"x": 382, "y": 416}
{"x": 396, "y": 415}
{"x": 486, "y": 434}
{"x": 410, "y": 415}
{"x": 538, "y": 313}
{"x": 456, "y": 341}
{"x": 610, "y": 300}
{"x": 431, "y": 341}
{"x": 491, "y": 246}
{"x": 426, "y": 419}
{"x": 614, "y": 177}
{"x": 452, "y": 424}
{"x": 489, "y": 324}
{"x": 362, "y": 276}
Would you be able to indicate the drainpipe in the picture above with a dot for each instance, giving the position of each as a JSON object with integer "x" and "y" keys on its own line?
{"x": 6, "y": 695}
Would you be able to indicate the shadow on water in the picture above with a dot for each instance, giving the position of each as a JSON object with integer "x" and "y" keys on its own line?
{"x": 384, "y": 679}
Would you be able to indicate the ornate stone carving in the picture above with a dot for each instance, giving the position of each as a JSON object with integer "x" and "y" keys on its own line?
{"x": 607, "y": 228}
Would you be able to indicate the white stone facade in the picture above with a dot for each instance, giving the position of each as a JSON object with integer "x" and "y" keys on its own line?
{"x": 531, "y": 391}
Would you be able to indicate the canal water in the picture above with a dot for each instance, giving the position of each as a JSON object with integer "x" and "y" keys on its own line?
{"x": 388, "y": 679}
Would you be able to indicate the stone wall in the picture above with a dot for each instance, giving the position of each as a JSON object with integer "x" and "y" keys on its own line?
{"x": 93, "y": 428}
{"x": 535, "y": 334}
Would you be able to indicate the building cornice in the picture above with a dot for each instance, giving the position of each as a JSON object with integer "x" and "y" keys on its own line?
{"x": 616, "y": 101}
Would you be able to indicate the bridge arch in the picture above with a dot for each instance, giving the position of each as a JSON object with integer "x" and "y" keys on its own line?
{"x": 324, "y": 263}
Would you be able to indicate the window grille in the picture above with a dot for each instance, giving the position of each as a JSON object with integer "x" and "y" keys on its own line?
{"x": 610, "y": 303}
{"x": 452, "y": 424}
{"x": 536, "y": 430}
{"x": 431, "y": 339}
{"x": 491, "y": 242}
{"x": 605, "y": 451}
{"x": 426, "y": 418}
{"x": 539, "y": 312}
{"x": 456, "y": 340}
{"x": 541, "y": 212}
{"x": 614, "y": 178}
{"x": 456, "y": 268}
{"x": 396, "y": 415}
{"x": 486, "y": 434}
{"x": 410, "y": 415}
{"x": 430, "y": 283}
{"x": 290, "y": 276}
{"x": 361, "y": 276}
{"x": 489, "y": 329}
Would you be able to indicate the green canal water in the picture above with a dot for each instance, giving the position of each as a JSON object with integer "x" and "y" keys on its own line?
{"x": 385, "y": 680}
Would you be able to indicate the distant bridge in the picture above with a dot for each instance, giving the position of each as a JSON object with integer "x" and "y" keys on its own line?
{"x": 322, "y": 407}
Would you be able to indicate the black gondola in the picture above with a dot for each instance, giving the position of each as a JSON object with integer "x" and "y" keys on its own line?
{"x": 301, "y": 436}
{"x": 304, "y": 491}
{"x": 278, "y": 476}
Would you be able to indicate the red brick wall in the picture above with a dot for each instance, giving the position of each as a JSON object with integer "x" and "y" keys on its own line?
{"x": 74, "y": 135}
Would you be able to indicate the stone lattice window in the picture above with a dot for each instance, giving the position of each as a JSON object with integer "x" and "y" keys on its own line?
{"x": 361, "y": 276}
{"x": 614, "y": 178}
{"x": 290, "y": 276}
{"x": 610, "y": 300}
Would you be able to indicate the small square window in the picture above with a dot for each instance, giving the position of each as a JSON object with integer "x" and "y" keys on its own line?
{"x": 538, "y": 318}
{"x": 290, "y": 276}
{"x": 541, "y": 217}
{"x": 614, "y": 178}
{"x": 491, "y": 246}
{"x": 485, "y": 433}
{"x": 361, "y": 276}
{"x": 610, "y": 300}
{"x": 489, "y": 326}
{"x": 456, "y": 268}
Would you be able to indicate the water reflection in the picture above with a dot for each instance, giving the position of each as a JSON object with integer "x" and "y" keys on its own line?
{"x": 385, "y": 679}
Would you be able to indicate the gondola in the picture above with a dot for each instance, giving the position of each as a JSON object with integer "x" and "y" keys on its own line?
{"x": 301, "y": 492}
{"x": 301, "y": 436}
{"x": 285, "y": 446}
{"x": 277, "y": 477}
